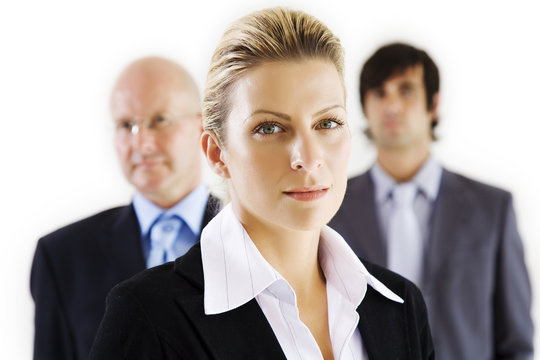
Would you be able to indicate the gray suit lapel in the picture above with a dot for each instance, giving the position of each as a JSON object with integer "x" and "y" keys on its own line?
{"x": 451, "y": 220}
{"x": 357, "y": 220}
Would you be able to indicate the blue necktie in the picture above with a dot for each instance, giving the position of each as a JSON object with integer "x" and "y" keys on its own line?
{"x": 163, "y": 234}
{"x": 405, "y": 248}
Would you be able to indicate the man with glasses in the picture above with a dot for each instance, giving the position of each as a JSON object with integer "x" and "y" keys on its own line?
{"x": 155, "y": 107}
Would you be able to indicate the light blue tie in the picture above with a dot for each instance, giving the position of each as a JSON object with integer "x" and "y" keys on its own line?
{"x": 163, "y": 234}
{"x": 405, "y": 248}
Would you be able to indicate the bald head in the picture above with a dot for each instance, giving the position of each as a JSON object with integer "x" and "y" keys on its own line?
{"x": 150, "y": 77}
{"x": 156, "y": 108}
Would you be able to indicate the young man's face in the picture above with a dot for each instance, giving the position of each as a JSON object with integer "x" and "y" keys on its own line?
{"x": 397, "y": 111}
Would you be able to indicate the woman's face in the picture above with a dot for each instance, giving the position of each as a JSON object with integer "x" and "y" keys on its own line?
{"x": 288, "y": 145}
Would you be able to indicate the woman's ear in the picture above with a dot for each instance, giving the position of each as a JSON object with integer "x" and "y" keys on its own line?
{"x": 213, "y": 153}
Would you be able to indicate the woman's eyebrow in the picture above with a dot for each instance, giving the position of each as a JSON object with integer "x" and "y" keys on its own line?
{"x": 320, "y": 112}
{"x": 287, "y": 117}
{"x": 274, "y": 113}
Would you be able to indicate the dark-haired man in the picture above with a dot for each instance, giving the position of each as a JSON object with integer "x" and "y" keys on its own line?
{"x": 454, "y": 237}
{"x": 155, "y": 107}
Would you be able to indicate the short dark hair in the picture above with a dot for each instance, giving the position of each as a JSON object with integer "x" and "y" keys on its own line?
{"x": 393, "y": 59}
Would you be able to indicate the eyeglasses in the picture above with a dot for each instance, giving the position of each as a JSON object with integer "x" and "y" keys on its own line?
{"x": 157, "y": 124}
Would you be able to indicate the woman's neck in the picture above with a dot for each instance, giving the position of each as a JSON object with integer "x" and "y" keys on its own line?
{"x": 293, "y": 253}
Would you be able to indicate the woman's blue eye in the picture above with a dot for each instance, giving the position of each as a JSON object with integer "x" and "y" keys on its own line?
{"x": 327, "y": 124}
{"x": 268, "y": 129}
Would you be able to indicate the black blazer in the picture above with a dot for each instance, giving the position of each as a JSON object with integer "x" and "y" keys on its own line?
{"x": 73, "y": 270}
{"x": 159, "y": 314}
{"x": 475, "y": 281}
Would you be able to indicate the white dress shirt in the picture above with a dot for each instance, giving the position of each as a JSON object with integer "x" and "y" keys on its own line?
{"x": 235, "y": 272}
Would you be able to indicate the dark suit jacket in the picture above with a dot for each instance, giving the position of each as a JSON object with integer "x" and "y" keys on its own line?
{"x": 73, "y": 270}
{"x": 159, "y": 314}
{"x": 475, "y": 282}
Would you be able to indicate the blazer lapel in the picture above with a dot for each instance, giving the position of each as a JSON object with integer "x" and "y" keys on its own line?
{"x": 381, "y": 327}
{"x": 242, "y": 333}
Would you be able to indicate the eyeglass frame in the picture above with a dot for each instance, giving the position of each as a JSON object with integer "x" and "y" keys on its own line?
{"x": 134, "y": 127}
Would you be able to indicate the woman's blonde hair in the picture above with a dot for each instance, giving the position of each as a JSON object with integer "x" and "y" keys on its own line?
{"x": 276, "y": 34}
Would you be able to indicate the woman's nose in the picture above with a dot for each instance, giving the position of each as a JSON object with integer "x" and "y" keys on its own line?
{"x": 306, "y": 153}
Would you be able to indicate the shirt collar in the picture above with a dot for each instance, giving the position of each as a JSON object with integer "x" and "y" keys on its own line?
{"x": 427, "y": 179}
{"x": 344, "y": 270}
{"x": 235, "y": 271}
{"x": 191, "y": 209}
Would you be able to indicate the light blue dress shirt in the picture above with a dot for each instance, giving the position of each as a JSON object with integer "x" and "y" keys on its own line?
{"x": 427, "y": 180}
{"x": 191, "y": 210}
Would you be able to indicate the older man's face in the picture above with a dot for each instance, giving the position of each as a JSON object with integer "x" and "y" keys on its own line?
{"x": 157, "y": 137}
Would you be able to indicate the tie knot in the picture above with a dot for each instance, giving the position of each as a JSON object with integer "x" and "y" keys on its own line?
{"x": 404, "y": 194}
{"x": 164, "y": 231}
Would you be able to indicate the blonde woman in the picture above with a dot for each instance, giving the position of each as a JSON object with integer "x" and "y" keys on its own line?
{"x": 269, "y": 279}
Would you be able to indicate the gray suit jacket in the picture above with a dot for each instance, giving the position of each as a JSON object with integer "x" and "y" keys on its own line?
{"x": 475, "y": 282}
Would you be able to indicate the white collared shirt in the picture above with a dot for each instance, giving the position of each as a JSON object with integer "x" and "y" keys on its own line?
{"x": 235, "y": 272}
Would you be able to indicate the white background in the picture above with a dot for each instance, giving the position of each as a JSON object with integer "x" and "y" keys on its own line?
{"x": 59, "y": 59}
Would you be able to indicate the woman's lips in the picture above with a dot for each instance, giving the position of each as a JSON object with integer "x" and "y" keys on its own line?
{"x": 307, "y": 193}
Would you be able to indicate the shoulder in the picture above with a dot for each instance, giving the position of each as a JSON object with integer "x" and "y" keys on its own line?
{"x": 479, "y": 192}
{"x": 358, "y": 187}
{"x": 150, "y": 314}
{"x": 359, "y": 182}
{"x": 86, "y": 227}
{"x": 183, "y": 277}
{"x": 142, "y": 318}
{"x": 455, "y": 179}
{"x": 151, "y": 288}
{"x": 156, "y": 296}
{"x": 82, "y": 240}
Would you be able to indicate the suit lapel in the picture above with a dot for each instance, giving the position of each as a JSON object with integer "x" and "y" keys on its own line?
{"x": 121, "y": 245}
{"x": 451, "y": 219}
{"x": 381, "y": 327}
{"x": 242, "y": 333}
{"x": 361, "y": 220}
